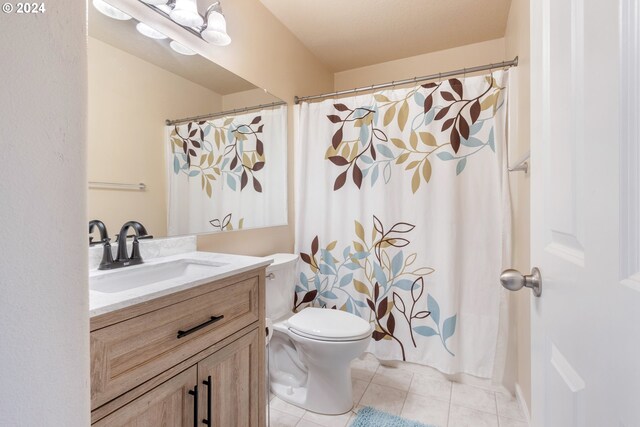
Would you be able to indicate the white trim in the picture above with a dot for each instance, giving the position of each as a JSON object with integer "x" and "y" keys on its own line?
{"x": 523, "y": 405}
{"x": 629, "y": 151}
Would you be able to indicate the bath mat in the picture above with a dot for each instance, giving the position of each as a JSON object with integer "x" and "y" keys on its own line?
{"x": 369, "y": 417}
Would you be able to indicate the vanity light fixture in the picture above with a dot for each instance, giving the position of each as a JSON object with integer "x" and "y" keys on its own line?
{"x": 106, "y": 9}
{"x": 185, "y": 12}
{"x": 212, "y": 27}
{"x": 181, "y": 49}
{"x": 146, "y": 30}
{"x": 215, "y": 32}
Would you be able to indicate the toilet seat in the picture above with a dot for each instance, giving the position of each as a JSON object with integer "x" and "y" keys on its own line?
{"x": 329, "y": 325}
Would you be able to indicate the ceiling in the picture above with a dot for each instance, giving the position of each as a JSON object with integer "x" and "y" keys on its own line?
{"x": 124, "y": 36}
{"x": 346, "y": 34}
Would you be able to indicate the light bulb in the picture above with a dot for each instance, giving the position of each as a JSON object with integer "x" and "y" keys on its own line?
{"x": 181, "y": 49}
{"x": 186, "y": 13}
{"x": 216, "y": 30}
{"x": 146, "y": 30}
{"x": 106, "y": 9}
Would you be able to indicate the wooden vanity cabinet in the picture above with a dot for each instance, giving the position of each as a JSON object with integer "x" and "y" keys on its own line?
{"x": 192, "y": 358}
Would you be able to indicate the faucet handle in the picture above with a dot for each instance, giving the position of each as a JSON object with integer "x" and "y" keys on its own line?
{"x": 105, "y": 241}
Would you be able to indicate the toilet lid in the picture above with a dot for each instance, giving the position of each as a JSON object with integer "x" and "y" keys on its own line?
{"x": 329, "y": 324}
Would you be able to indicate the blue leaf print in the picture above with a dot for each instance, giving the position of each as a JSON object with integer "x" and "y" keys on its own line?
{"x": 325, "y": 269}
{"x": 374, "y": 175}
{"x": 231, "y": 182}
{"x": 349, "y": 306}
{"x": 303, "y": 280}
{"x": 346, "y": 252}
{"x": 379, "y": 275}
{"x": 385, "y": 151}
{"x": 449, "y": 327}
{"x": 360, "y": 303}
{"x": 176, "y": 165}
{"x": 428, "y": 118}
{"x": 328, "y": 259}
{"x": 361, "y": 255}
{"x": 360, "y": 112}
{"x": 471, "y": 142}
{"x": 207, "y": 129}
{"x": 404, "y": 284}
{"x": 352, "y": 266}
{"x": 364, "y": 134}
{"x": 425, "y": 331}
{"x": 366, "y": 159}
{"x": 397, "y": 263}
{"x": 418, "y": 98}
{"x": 460, "y": 166}
{"x": 445, "y": 156}
{"x": 346, "y": 280}
{"x": 434, "y": 308}
{"x": 491, "y": 141}
{"x": 300, "y": 289}
{"x": 316, "y": 283}
{"x": 476, "y": 127}
{"x": 194, "y": 173}
{"x": 328, "y": 295}
{"x": 224, "y": 163}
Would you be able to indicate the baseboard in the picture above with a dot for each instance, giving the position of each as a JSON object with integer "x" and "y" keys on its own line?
{"x": 523, "y": 404}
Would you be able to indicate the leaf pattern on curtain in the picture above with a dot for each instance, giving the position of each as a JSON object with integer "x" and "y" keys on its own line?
{"x": 234, "y": 153}
{"x": 225, "y": 224}
{"x": 445, "y": 129}
{"x": 373, "y": 277}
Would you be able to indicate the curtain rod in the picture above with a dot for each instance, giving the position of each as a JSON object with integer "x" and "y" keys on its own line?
{"x": 223, "y": 113}
{"x": 503, "y": 64}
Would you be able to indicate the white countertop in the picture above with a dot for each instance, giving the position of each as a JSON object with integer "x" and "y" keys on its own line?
{"x": 228, "y": 265}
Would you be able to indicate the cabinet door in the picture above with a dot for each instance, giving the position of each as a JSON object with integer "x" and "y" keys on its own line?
{"x": 231, "y": 389}
{"x": 168, "y": 405}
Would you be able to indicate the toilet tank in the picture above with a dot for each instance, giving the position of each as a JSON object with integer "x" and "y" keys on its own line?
{"x": 280, "y": 285}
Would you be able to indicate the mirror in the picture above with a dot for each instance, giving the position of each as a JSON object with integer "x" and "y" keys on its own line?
{"x": 219, "y": 165}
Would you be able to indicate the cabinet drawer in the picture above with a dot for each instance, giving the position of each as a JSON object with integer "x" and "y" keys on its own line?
{"x": 128, "y": 353}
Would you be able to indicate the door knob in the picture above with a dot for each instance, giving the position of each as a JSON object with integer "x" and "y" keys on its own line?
{"x": 514, "y": 280}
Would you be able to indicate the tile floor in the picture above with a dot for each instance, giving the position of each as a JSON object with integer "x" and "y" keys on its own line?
{"x": 411, "y": 391}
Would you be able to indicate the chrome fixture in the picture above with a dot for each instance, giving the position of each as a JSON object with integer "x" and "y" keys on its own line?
{"x": 141, "y": 186}
{"x": 514, "y": 280}
{"x": 210, "y": 27}
{"x": 437, "y": 76}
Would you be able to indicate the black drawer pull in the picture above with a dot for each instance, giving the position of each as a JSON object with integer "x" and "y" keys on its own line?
{"x": 213, "y": 319}
{"x": 207, "y": 421}
{"x": 194, "y": 393}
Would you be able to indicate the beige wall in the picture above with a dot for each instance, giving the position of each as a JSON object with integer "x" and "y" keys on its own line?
{"x": 421, "y": 65}
{"x": 247, "y": 98}
{"x": 265, "y": 53}
{"x": 129, "y": 100}
{"x": 517, "y": 43}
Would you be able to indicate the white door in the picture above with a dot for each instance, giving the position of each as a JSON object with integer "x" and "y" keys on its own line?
{"x": 585, "y": 215}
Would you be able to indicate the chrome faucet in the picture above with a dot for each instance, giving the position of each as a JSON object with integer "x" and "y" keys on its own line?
{"x": 107, "y": 256}
{"x": 124, "y": 259}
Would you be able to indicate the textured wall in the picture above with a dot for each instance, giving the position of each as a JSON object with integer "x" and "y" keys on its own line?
{"x": 44, "y": 328}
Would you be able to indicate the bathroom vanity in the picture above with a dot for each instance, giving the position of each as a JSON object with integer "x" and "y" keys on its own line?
{"x": 183, "y": 349}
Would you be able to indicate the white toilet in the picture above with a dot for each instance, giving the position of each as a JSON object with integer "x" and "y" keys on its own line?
{"x": 310, "y": 352}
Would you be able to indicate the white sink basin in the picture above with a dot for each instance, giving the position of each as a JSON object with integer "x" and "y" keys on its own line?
{"x": 139, "y": 276}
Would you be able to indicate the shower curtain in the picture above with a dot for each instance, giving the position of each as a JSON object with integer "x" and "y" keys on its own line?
{"x": 403, "y": 217}
{"x": 228, "y": 173}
